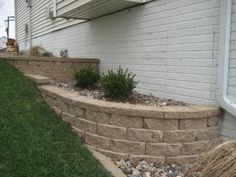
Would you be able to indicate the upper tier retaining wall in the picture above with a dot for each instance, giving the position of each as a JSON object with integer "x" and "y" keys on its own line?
{"x": 60, "y": 69}
{"x": 156, "y": 134}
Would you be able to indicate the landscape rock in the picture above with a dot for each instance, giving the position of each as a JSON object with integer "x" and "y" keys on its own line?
{"x": 143, "y": 169}
{"x": 135, "y": 98}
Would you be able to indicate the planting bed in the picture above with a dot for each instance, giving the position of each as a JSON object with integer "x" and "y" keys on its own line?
{"x": 135, "y": 98}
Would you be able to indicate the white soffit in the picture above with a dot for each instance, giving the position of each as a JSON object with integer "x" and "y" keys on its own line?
{"x": 90, "y": 9}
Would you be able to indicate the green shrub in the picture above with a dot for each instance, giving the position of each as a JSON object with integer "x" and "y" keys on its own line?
{"x": 118, "y": 85}
{"x": 38, "y": 51}
{"x": 35, "y": 51}
{"x": 86, "y": 77}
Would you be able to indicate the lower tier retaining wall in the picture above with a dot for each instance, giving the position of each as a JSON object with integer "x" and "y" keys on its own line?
{"x": 60, "y": 69}
{"x": 157, "y": 134}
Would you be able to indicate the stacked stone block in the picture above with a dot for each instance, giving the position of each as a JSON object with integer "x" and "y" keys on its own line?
{"x": 59, "y": 69}
{"x": 157, "y": 134}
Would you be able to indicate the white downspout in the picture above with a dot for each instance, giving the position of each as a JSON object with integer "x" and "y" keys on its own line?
{"x": 15, "y": 6}
{"x": 223, "y": 61}
{"x": 30, "y": 25}
{"x": 55, "y": 9}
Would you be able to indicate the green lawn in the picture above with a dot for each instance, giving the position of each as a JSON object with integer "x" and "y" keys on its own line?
{"x": 34, "y": 142}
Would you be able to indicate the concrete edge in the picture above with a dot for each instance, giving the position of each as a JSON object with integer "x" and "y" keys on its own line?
{"x": 107, "y": 163}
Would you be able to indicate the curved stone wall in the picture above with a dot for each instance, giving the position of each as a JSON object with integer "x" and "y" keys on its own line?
{"x": 156, "y": 134}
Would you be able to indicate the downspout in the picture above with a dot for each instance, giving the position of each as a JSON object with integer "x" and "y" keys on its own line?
{"x": 55, "y": 9}
{"x": 223, "y": 60}
{"x": 15, "y": 6}
{"x": 30, "y": 25}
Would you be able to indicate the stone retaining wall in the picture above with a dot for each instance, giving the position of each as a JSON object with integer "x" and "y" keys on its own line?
{"x": 60, "y": 69}
{"x": 156, "y": 134}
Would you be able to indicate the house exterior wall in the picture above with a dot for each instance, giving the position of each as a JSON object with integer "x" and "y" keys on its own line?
{"x": 228, "y": 126}
{"x": 40, "y": 25}
{"x": 228, "y": 123}
{"x": 22, "y": 15}
{"x": 171, "y": 46}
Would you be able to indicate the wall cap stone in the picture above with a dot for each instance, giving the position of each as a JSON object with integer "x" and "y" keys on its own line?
{"x": 38, "y": 79}
{"x": 167, "y": 112}
{"x": 54, "y": 59}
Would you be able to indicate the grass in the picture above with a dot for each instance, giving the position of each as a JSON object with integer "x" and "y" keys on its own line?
{"x": 34, "y": 142}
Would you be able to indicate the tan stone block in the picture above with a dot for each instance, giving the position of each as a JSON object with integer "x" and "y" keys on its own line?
{"x": 131, "y": 110}
{"x": 114, "y": 155}
{"x": 135, "y": 159}
{"x": 79, "y": 132}
{"x": 66, "y": 97}
{"x": 38, "y": 79}
{"x": 179, "y": 136}
{"x": 147, "y": 111}
{"x": 77, "y": 111}
{"x": 199, "y": 123}
{"x": 50, "y": 100}
{"x": 196, "y": 147}
{"x": 32, "y": 63}
{"x": 215, "y": 142}
{"x": 99, "y": 117}
{"x": 144, "y": 135}
{"x": 161, "y": 124}
{"x": 182, "y": 160}
{"x": 207, "y": 134}
{"x": 91, "y": 147}
{"x": 111, "y": 131}
{"x": 163, "y": 149}
{"x": 60, "y": 94}
{"x": 126, "y": 121}
{"x": 87, "y": 126}
{"x": 68, "y": 118}
{"x": 179, "y": 112}
{"x": 212, "y": 121}
{"x": 97, "y": 141}
{"x": 125, "y": 146}
{"x": 56, "y": 110}
{"x": 62, "y": 105}
{"x": 206, "y": 111}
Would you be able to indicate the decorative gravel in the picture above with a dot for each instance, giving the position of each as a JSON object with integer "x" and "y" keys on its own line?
{"x": 135, "y": 98}
{"x": 144, "y": 169}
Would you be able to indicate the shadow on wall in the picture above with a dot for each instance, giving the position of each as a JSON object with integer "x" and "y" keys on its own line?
{"x": 108, "y": 35}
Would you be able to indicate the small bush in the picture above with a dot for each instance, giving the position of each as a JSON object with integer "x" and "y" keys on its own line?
{"x": 38, "y": 51}
{"x": 35, "y": 51}
{"x": 118, "y": 85}
{"x": 86, "y": 77}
